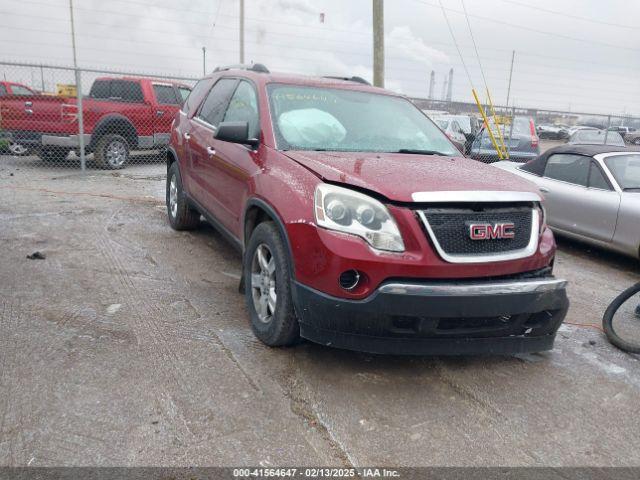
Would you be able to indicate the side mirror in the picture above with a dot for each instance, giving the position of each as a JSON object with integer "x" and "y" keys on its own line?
{"x": 235, "y": 132}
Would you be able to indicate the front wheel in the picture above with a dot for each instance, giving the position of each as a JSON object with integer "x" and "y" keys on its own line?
{"x": 181, "y": 215}
{"x": 112, "y": 152}
{"x": 267, "y": 281}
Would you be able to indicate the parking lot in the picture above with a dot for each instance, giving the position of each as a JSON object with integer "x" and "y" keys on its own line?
{"x": 129, "y": 344}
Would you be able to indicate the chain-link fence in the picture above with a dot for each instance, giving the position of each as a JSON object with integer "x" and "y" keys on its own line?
{"x": 82, "y": 118}
{"x": 520, "y": 134}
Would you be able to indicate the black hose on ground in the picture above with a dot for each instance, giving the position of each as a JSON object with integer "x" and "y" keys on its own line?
{"x": 607, "y": 320}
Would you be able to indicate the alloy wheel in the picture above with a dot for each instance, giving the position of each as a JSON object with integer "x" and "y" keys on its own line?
{"x": 116, "y": 153}
{"x": 263, "y": 283}
{"x": 173, "y": 197}
{"x": 17, "y": 149}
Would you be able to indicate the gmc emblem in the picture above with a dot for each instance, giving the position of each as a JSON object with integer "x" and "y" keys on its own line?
{"x": 495, "y": 231}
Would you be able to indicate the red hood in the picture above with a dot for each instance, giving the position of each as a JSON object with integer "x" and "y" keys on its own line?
{"x": 397, "y": 176}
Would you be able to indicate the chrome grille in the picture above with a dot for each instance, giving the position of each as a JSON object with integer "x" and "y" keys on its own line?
{"x": 449, "y": 231}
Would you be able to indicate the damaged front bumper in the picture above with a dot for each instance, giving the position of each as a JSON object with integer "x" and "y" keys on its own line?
{"x": 438, "y": 318}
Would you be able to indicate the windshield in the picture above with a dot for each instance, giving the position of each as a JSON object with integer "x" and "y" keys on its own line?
{"x": 626, "y": 170}
{"x": 312, "y": 118}
{"x": 597, "y": 137}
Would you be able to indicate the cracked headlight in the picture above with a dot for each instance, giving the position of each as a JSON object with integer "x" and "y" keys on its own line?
{"x": 348, "y": 211}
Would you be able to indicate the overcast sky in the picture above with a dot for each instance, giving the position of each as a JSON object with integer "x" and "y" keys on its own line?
{"x": 578, "y": 55}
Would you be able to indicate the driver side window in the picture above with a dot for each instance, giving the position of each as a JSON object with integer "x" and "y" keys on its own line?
{"x": 243, "y": 107}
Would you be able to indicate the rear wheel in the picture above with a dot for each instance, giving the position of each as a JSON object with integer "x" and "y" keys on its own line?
{"x": 53, "y": 154}
{"x": 181, "y": 215}
{"x": 268, "y": 288}
{"x": 636, "y": 141}
{"x": 112, "y": 152}
{"x": 17, "y": 149}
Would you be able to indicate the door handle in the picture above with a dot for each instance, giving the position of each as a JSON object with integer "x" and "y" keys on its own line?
{"x": 186, "y": 136}
{"x": 159, "y": 113}
{"x": 28, "y": 104}
{"x": 211, "y": 151}
{"x": 543, "y": 189}
{"x": 29, "y": 111}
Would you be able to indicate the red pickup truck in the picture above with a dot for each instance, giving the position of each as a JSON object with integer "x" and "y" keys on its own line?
{"x": 120, "y": 114}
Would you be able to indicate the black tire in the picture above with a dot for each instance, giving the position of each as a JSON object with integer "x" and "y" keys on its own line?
{"x": 182, "y": 216}
{"x": 53, "y": 154}
{"x": 112, "y": 152}
{"x": 636, "y": 141}
{"x": 281, "y": 328}
{"x": 607, "y": 320}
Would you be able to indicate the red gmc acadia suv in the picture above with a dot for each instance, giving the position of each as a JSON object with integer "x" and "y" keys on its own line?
{"x": 361, "y": 225}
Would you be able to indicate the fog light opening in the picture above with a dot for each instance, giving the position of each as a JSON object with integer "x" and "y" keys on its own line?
{"x": 349, "y": 279}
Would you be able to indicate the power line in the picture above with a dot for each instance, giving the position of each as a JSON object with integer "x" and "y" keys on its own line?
{"x": 524, "y": 27}
{"x": 569, "y": 15}
{"x": 455, "y": 42}
{"x": 475, "y": 46}
{"x": 271, "y": 21}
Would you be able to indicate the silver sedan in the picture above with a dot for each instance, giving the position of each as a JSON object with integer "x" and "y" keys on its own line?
{"x": 592, "y": 193}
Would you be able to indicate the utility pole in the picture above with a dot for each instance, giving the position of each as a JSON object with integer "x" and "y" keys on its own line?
{"x": 83, "y": 160}
{"x": 378, "y": 43}
{"x": 241, "y": 31}
{"x": 513, "y": 56}
{"x": 42, "y": 77}
{"x": 204, "y": 60}
{"x": 450, "y": 86}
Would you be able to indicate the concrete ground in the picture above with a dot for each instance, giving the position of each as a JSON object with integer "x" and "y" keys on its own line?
{"x": 129, "y": 345}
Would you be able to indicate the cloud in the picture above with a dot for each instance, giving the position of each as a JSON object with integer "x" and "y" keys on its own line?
{"x": 403, "y": 42}
{"x": 300, "y": 6}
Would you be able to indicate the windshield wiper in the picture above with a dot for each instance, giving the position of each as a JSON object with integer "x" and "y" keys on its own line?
{"x": 631, "y": 189}
{"x": 420, "y": 152}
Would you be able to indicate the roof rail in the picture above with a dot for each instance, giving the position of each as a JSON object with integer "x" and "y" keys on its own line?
{"x": 254, "y": 67}
{"x": 350, "y": 79}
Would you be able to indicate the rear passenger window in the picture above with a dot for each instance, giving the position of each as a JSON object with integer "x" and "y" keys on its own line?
{"x": 21, "y": 91}
{"x": 213, "y": 108}
{"x": 101, "y": 89}
{"x": 126, "y": 91}
{"x": 166, "y": 95}
{"x": 568, "y": 168}
{"x": 597, "y": 179}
